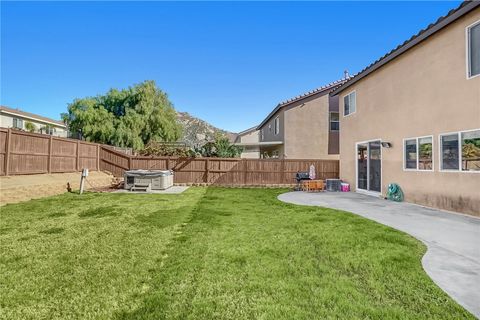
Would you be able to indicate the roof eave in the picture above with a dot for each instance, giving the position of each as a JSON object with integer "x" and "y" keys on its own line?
{"x": 429, "y": 32}
{"x": 285, "y": 104}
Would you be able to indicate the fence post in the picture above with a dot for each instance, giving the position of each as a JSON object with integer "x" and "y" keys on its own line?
{"x": 244, "y": 171}
{"x": 168, "y": 163}
{"x": 78, "y": 155}
{"x": 282, "y": 170}
{"x": 207, "y": 169}
{"x": 7, "y": 151}
{"x": 129, "y": 163}
{"x": 49, "y": 161}
{"x": 98, "y": 157}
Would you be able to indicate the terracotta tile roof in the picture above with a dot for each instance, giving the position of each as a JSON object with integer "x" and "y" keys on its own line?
{"x": 31, "y": 115}
{"x": 454, "y": 14}
{"x": 331, "y": 85}
{"x": 322, "y": 89}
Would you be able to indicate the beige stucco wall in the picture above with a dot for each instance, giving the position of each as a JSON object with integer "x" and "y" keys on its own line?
{"x": 250, "y": 137}
{"x": 422, "y": 92}
{"x": 250, "y": 152}
{"x": 307, "y": 128}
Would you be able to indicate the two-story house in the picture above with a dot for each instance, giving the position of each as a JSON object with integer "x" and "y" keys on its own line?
{"x": 21, "y": 120}
{"x": 304, "y": 127}
{"x": 413, "y": 117}
{"x": 249, "y": 141}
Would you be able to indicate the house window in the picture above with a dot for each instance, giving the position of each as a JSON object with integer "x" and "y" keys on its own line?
{"x": 470, "y": 150}
{"x": 460, "y": 151}
{"x": 350, "y": 103}
{"x": 334, "y": 121}
{"x": 449, "y": 151}
{"x": 17, "y": 123}
{"x": 419, "y": 153}
{"x": 261, "y": 135}
{"x": 411, "y": 154}
{"x": 277, "y": 125}
{"x": 425, "y": 153}
{"x": 473, "y": 49}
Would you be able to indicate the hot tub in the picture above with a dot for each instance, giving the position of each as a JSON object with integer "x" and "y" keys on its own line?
{"x": 153, "y": 179}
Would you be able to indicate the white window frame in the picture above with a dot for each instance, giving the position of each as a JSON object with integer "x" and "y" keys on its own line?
{"x": 330, "y": 121}
{"x": 467, "y": 51}
{"x": 277, "y": 125}
{"x": 350, "y": 93}
{"x": 15, "y": 122}
{"x": 418, "y": 155}
{"x": 440, "y": 153}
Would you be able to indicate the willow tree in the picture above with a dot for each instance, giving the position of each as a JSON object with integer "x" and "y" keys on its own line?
{"x": 129, "y": 117}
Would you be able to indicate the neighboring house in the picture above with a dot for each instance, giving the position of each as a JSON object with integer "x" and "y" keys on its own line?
{"x": 413, "y": 117}
{"x": 304, "y": 127}
{"x": 14, "y": 118}
{"x": 249, "y": 141}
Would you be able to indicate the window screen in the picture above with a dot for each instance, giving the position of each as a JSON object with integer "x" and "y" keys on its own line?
{"x": 474, "y": 50}
{"x": 425, "y": 148}
{"x": 411, "y": 154}
{"x": 471, "y": 150}
{"x": 334, "y": 121}
{"x": 450, "y": 154}
{"x": 350, "y": 103}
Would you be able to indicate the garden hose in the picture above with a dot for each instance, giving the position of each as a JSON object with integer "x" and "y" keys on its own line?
{"x": 394, "y": 193}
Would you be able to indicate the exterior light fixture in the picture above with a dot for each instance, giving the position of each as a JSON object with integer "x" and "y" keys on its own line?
{"x": 386, "y": 144}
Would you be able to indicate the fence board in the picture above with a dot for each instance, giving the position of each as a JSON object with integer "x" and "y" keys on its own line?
{"x": 220, "y": 171}
{"x": 28, "y": 153}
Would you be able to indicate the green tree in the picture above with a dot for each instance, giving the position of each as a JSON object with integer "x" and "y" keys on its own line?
{"x": 30, "y": 127}
{"x": 129, "y": 117}
{"x": 221, "y": 148}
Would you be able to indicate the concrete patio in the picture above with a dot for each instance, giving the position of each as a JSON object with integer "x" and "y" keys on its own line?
{"x": 453, "y": 240}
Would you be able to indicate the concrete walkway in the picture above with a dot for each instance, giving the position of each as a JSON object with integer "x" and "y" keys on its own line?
{"x": 453, "y": 240}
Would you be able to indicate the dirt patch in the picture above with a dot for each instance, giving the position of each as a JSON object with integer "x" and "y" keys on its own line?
{"x": 20, "y": 188}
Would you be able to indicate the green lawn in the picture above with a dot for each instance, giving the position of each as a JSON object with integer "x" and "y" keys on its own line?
{"x": 209, "y": 253}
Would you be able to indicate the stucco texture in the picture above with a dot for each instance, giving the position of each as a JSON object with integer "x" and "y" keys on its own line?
{"x": 423, "y": 92}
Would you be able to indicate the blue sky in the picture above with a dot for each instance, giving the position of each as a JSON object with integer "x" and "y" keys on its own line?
{"x": 228, "y": 63}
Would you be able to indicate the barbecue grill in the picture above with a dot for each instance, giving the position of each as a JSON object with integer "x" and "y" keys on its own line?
{"x": 300, "y": 176}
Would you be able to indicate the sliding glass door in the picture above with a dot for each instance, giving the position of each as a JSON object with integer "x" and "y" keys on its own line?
{"x": 369, "y": 166}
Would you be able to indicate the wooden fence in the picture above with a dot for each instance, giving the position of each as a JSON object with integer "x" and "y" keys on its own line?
{"x": 29, "y": 153}
{"x": 220, "y": 171}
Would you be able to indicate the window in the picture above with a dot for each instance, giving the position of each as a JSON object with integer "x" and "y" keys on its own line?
{"x": 261, "y": 135}
{"x": 334, "y": 121}
{"x": 269, "y": 127}
{"x": 277, "y": 125}
{"x": 418, "y": 153}
{"x": 473, "y": 50}
{"x": 411, "y": 154}
{"x": 460, "y": 151}
{"x": 17, "y": 123}
{"x": 470, "y": 150}
{"x": 450, "y": 156}
{"x": 350, "y": 103}
{"x": 49, "y": 130}
{"x": 425, "y": 153}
